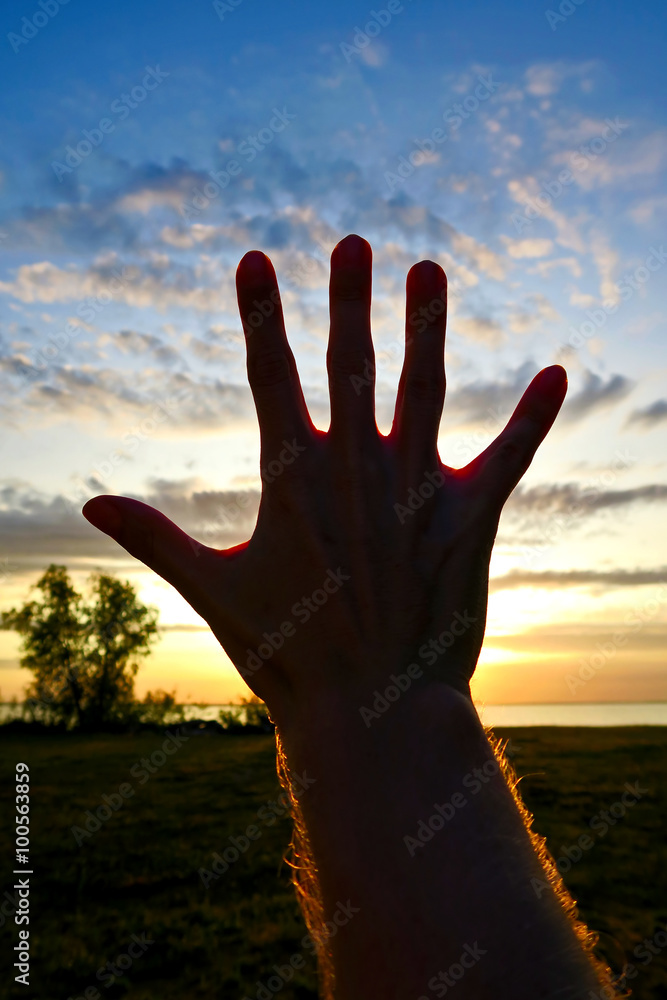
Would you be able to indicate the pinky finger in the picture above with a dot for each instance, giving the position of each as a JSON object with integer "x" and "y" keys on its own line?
{"x": 497, "y": 470}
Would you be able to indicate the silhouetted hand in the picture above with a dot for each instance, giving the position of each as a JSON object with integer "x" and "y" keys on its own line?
{"x": 370, "y": 558}
{"x": 367, "y": 549}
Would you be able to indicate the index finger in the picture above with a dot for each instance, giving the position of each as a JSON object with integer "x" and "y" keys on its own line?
{"x": 272, "y": 373}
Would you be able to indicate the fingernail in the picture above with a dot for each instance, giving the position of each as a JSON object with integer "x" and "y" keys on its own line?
{"x": 255, "y": 266}
{"x": 553, "y": 379}
{"x": 429, "y": 275}
{"x": 103, "y": 515}
{"x": 352, "y": 251}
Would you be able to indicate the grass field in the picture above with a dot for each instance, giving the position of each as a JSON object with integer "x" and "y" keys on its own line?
{"x": 138, "y": 873}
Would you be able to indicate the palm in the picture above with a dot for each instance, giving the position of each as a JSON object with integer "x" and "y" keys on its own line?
{"x": 414, "y": 547}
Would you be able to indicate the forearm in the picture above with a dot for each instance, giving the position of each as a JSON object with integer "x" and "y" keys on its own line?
{"x": 460, "y": 898}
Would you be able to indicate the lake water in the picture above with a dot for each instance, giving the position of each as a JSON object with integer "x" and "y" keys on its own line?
{"x": 587, "y": 714}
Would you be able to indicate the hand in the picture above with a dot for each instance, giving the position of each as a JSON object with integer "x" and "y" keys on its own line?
{"x": 367, "y": 548}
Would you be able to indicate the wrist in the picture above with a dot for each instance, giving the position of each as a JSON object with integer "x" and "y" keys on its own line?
{"x": 413, "y": 814}
{"x": 364, "y": 719}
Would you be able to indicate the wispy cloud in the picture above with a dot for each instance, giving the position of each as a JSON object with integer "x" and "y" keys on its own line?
{"x": 595, "y": 394}
{"x": 561, "y": 498}
{"x": 649, "y": 416}
{"x": 555, "y": 579}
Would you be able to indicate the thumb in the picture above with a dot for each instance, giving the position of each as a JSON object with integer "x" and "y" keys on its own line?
{"x": 155, "y": 540}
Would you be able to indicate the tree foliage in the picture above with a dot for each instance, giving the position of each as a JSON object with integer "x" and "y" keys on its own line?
{"x": 83, "y": 655}
{"x": 250, "y": 713}
{"x": 159, "y": 708}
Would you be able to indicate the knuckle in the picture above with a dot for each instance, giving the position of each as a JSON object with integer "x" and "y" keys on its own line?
{"x": 350, "y": 481}
{"x": 511, "y": 455}
{"x": 425, "y": 386}
{"x": 345, "y": 365}
{"x": 268, "y": 368}
{"x": 508, "y": 451}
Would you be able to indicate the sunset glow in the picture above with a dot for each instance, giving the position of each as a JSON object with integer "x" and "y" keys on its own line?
{"x": 537, "y": 183}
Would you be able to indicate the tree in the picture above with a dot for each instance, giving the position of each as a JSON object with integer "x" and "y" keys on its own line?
{"x": 119, "y": 630}
{"x": 255, "y": 713}
{"x": 159, "y": 708}
{"x": 84, "y": 656}
{"x": 53, "y": 635}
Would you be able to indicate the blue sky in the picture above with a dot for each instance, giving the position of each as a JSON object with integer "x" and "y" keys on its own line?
{"x": 523, "y": 149}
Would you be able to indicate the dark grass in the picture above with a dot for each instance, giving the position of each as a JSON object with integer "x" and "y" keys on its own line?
{"x": 138, "y": 874}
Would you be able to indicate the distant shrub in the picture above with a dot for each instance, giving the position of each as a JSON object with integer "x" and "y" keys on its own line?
{"x": 250, "y": 716}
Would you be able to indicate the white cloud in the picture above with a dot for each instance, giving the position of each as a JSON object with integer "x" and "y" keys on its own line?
{"x": 648, "y": 209}
{"x": 530, "y": 315}
{"x": 606, "y": 261}
{"x": 375, "y": 54}
{"x": 582, "y": 299}
{"x": 480, "y": 329}
{"x": 480, "y": 255}
{"x": 619, "y": 163}
{"x": 525, "y": 191}
{"x": 146, "y": 200}
{"x": 143, "y": 286}
{"x": 545, "y": 267}
{"x": 543, "y": 80}
{"x": 534, "y": 247}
